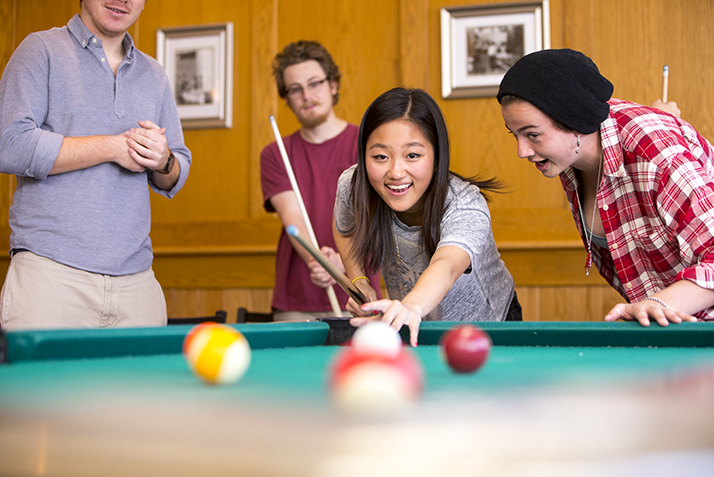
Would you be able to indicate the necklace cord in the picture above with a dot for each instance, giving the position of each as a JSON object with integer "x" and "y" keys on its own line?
{"x": 589, "y": 237}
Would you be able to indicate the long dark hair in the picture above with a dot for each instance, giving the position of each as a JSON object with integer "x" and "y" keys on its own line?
{"x": 373, "y": 240}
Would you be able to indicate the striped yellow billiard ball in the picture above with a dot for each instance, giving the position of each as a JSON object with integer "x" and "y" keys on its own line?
{"x": 218, "y": 354}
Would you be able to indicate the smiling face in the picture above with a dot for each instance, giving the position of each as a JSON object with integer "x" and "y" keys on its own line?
{"x": 400, "y": 165}
{"x": 110, "y": 18}
{"x": 551, "y": 149}
{"x": 313, "y": 106}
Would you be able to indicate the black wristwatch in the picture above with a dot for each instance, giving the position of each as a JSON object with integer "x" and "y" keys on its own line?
{"x": 169, "y": 164}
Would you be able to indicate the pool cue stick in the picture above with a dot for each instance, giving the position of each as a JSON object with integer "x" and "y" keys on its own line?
{"x": 665, "y": 78}
{"x": 334, "y": 272}
{"x": 301, "y": 205}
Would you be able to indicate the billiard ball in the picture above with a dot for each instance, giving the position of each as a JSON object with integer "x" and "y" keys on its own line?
{"x": 218, "y": 354}
{"x": 188, "y": 339}
{"x": 377, "y": 337}
{"x": 375, "y": 384}
{"x": 465, "y": 348}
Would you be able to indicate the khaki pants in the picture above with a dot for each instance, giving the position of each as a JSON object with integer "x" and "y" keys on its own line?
{"x": 40, "y": 293}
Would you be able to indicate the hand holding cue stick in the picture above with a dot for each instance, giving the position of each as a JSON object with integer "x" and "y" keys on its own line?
{"x": 334, "y": 272}
{"x": 301, "y": 205}
{"x": 665, "y": 78}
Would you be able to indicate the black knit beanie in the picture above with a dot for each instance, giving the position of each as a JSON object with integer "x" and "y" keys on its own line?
{"x": 564, "y": 84}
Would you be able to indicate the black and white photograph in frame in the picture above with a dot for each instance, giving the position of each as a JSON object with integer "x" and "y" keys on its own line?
{"x": 194, "y": 76}
{"x": 199, "y": 63}
{"x": 480, "y": 43}
{"x": 493, "y": 49}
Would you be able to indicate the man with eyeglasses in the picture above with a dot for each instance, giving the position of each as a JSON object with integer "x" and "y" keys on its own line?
{"x": 325, "y": 145}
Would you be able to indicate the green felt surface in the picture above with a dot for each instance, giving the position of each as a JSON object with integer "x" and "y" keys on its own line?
{"x": 294, "y": 376}
{"x": 72, "y": 344}
{"x": 64, "y": 369}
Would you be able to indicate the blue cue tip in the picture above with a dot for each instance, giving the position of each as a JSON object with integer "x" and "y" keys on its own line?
{"x": 292, "y": 230}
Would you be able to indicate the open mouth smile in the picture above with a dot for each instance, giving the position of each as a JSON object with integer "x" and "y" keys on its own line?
{"x": 399, "y": 189}
{"x": 540, "y": 165}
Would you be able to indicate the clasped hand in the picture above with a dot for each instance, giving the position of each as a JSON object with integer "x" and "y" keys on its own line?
{"x": 148, "y": 148}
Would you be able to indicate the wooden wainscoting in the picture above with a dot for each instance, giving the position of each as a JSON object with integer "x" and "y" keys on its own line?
{"x": 540, "y": 303}
{"x": 567, "y": 303}
{"x": 186, "y": 302}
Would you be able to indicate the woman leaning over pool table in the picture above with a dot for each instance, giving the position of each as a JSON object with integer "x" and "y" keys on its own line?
{"x": 401, "y": 210}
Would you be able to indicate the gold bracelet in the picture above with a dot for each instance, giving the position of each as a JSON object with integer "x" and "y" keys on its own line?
{"x": 358, "y": 278}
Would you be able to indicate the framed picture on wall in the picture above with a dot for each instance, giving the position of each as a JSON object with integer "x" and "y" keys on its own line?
{"x": 480, "y": 43}
{"x": 199, "y": 63}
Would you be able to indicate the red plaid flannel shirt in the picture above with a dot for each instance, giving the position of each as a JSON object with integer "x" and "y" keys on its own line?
{"x": 656, "y": 201}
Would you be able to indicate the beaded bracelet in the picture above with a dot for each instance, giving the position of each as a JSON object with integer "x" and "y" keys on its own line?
{"x": 657, "y": 300}
{"x": 358, "y": 278}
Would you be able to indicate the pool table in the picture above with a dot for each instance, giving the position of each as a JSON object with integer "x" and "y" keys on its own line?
{"x": 554, "y": 398}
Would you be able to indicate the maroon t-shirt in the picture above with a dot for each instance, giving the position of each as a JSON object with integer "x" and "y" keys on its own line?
{"x": 317, "y": 168}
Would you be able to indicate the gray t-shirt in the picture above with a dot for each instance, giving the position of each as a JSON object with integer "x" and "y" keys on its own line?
{"x": 483, "y": 293}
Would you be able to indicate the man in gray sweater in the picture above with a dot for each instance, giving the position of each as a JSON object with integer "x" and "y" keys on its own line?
{"x": 86, "y": 122}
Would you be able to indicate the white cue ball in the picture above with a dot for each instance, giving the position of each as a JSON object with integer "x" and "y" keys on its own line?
{"x": 377, "y": 337}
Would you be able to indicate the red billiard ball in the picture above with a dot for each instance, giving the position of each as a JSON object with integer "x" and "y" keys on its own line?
{"x": 465, "y": 348}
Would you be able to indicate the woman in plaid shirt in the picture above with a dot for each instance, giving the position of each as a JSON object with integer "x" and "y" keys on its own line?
{"x": 640, "y": 183}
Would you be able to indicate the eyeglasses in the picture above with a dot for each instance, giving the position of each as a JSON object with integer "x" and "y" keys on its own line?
{"x": 313, "y": 87}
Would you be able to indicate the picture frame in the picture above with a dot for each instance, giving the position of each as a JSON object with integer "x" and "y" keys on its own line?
{"x": 199, "y": 63}
{"x": 480, "y": 43}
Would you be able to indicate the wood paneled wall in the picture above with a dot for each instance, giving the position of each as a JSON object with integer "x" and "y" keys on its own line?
{"x": 215, "y": 245}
